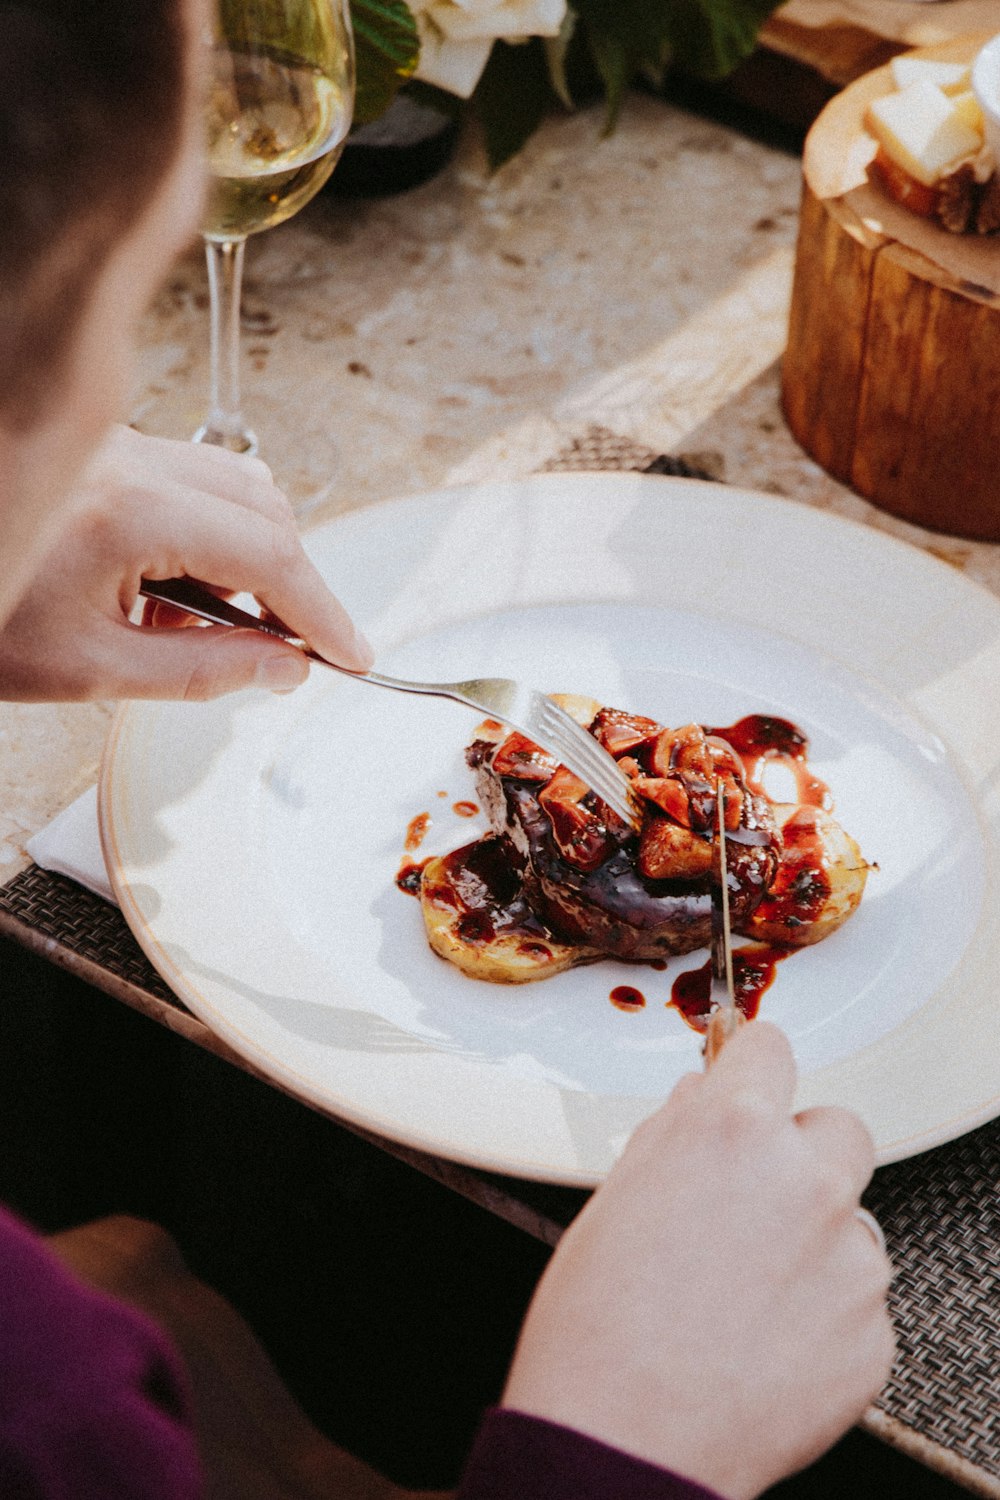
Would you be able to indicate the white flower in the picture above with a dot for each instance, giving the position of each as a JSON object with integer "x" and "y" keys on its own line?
{"x": 456, "y": 36}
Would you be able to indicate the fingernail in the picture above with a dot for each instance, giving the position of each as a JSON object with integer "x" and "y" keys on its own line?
{"x": 281, "y": 674}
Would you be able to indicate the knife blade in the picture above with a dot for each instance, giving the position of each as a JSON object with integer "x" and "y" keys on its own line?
{"x": 724, "y": 1017}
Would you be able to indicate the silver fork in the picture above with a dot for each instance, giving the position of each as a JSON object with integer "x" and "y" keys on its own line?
{"x": 529, "y": 712}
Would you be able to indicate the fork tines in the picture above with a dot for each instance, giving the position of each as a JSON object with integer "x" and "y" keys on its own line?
{"x": 589, "y": 758}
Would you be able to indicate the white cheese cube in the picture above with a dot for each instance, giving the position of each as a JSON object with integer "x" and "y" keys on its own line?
{"x": 968, "y": 111}
{"x": 919, "y": 129}
{"x": 951, "y": 77}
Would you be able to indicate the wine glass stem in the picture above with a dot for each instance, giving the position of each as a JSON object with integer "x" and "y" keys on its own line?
{"x": 224, "y": 426}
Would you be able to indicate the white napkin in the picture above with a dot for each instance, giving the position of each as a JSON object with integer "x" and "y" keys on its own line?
{"x": 71, "y": 845}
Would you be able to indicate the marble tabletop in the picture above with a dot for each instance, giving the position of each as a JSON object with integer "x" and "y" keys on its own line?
{"x": 473, "y": 327}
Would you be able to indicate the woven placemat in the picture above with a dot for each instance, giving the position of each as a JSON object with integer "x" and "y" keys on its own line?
{"x": 601, "y": 449}
{"x": 941, "y": 1216}
{"x": 940, "y": 1210}
{"x": 83, "y": 925}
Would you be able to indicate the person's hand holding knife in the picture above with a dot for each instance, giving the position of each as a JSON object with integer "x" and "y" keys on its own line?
{"x": 719, "y": 1306}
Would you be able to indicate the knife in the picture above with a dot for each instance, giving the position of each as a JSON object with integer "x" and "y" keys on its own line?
{"x": 724, "y": 1018}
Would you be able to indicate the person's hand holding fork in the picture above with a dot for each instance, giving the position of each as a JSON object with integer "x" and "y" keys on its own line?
{"x": 161, "y": 509}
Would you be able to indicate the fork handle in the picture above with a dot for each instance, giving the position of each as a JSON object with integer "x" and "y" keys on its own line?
{"x": 195, "y": 599}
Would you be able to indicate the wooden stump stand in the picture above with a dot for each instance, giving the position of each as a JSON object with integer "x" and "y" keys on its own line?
{"x": 891, "y": 379}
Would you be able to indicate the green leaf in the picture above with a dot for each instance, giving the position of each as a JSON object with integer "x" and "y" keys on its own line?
{"x": 705, "y": 37}
{"x": 616, "y": 67}
{"x": 711, "y": 37}
{"x": 556, "y": 50}
{"x": 449, "y": 105}
{"x": 511, "y": 97}
{"x": 640, "y": 27}
{"x": 387, "y": 47}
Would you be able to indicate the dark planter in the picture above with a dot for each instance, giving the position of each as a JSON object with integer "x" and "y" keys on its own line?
{"x": 403, "y": 148}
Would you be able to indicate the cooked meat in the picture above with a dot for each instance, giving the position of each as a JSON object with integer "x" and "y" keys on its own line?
{"x": 561, "y": 880}
{"x": 591, "y": 880}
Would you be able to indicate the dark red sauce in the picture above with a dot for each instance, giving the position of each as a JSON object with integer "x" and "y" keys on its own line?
{"x": 409, "y": 876}
{"x": 476, "y": 927}
{"x": 477, "y": 882}
{"x": 801, "y": 886}
{"x": 532, "y": 948}
{"x": 658, "y": 963}
{"x": 465, "y": 809}
{"x": 761, "y": 737}
{"x": 753, "y": 972}
{"x": 624, "y": 997}
{"x": 416, "y": 830}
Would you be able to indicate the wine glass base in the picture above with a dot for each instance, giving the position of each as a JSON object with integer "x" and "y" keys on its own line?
{"x": 241, "y": 441}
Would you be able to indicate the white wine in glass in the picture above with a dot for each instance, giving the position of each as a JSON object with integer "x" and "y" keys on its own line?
{"x": 279, "y": 103}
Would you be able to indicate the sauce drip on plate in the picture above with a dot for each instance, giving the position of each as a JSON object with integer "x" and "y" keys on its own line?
{"x": 624, "y": 997}
{"x": 416, "y": 831}
{"x": 409, "y": 876}
{"x": 760, "y": 738}
{"x": 753, "y": 971}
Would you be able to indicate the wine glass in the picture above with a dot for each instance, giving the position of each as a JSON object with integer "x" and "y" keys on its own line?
{"x": 280, "y": 94}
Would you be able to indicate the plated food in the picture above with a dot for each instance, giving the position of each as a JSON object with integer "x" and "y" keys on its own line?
{"x": 559, "y": 880}
{"x": 933, "y": 154}
{"x": 309, "y": 963}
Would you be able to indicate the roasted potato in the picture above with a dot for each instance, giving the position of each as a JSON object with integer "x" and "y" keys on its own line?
{"x": 820, "y": 880}
{"x": 475, "y": 922}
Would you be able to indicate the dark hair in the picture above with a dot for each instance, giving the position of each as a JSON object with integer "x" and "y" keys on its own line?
{"x": 91, "y": 103}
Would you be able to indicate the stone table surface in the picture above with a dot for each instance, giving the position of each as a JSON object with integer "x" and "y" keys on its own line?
{"x": 472, "y": 328}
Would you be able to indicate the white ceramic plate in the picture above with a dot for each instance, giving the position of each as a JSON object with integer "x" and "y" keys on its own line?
{"x": 253, "y": 842}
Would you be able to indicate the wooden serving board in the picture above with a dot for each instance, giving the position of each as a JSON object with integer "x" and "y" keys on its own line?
{"x": 829, "y": 23}
{"x": 891, "y": 378}
{"x": 838, "y": 53}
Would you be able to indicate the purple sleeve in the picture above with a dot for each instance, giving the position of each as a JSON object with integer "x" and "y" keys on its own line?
{"x": 515, "y": 1455}
{"x": 92, "y": 1402}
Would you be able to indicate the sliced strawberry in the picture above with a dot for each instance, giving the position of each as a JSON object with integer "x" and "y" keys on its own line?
{"x": 732, "y": 801}
{"x": 661, "y": 761}
{"x": 667, "y": 793}
{"x": 681, "y": 749}
{"x": 724, "y": 757}
{"x": 619, "y": 731}
{"x": 521, "y": 758}
{"x": 702, "y": 794}
{"x": 580, "y": 835}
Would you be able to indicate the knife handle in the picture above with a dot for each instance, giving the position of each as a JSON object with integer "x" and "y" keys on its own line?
{"x": 723, "y": 1023}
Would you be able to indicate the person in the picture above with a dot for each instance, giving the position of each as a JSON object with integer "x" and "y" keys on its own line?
{"x": 91, "y": 105}
{"x": 716, "y": 1315}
